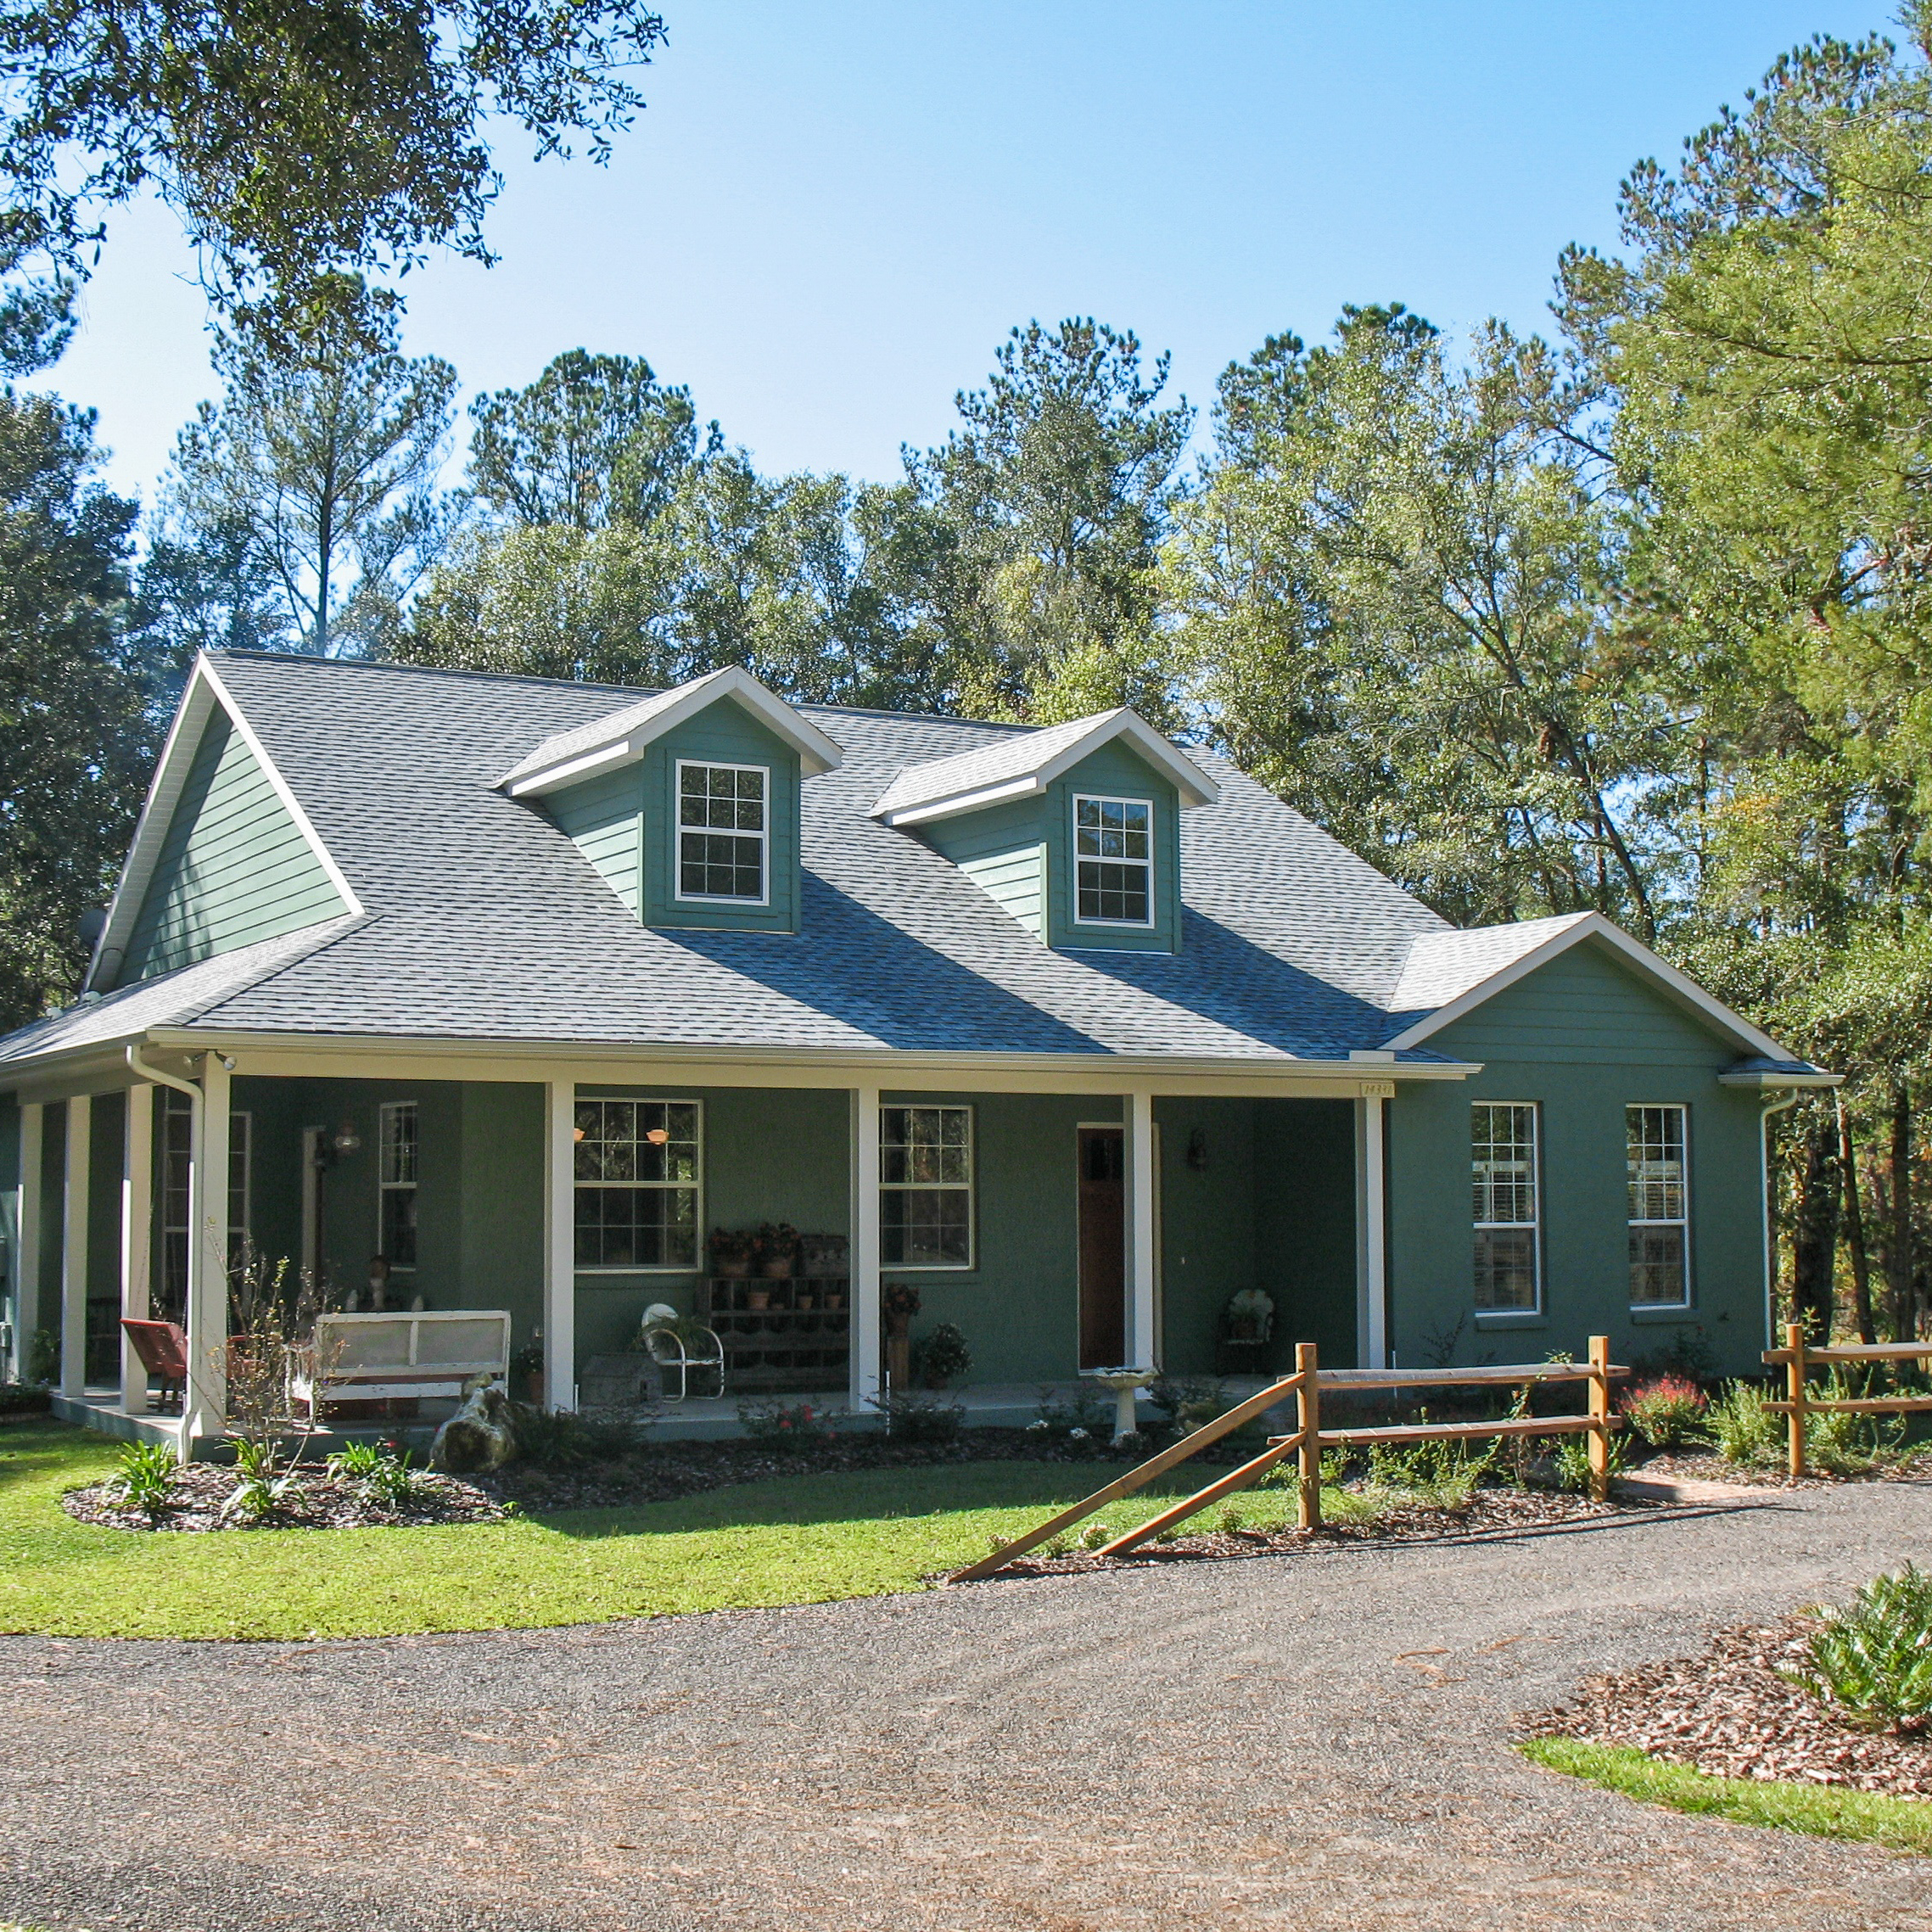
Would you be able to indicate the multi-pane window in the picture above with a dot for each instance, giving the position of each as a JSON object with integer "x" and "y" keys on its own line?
{"x": 1113, "y": 855}
{"x": 1660, "y": 1208}
{"x": 722, "y": 827}
{"x": 178, "y": 1137}
{"x": 395, "y": 1181}
{"x": 1503, "y": 1149}
{"x": 926, "y": 1187}
{"x": 637, "y": 1164}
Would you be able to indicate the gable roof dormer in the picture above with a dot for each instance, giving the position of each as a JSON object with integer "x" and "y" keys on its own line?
{"x": 624, "y": 737}
{"x": 1026, "y": 764}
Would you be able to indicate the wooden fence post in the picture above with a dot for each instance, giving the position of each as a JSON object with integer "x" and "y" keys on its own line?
{"x": 1794, "y": 1393}
{"x": 1599, "y": 1417}
{"x": 1308, "y": 1425}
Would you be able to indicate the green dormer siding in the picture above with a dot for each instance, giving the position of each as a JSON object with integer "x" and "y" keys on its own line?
{"x": 625, "y": 823}
{"x": 233, "y": 867}
{"x": 1113, "y": 772}
{"x": 1003, "y": 851}
{"x": 604, "y": 817}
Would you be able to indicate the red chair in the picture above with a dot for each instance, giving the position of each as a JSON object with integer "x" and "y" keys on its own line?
{"x": 162, "y": 1349}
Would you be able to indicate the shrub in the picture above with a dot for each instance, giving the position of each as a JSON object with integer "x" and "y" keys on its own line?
{"x": 555, "y": 1439}
{"x": 1667, "y": 1413}
{"x": 265, "y": 1483}
{"x": 1096, "y": 1536}
{"x": 1572, "y": 1460}
{"x": 1744, "y": 1430}
{"x": 1872, "y": 1659}
{"x": 921, "y": 1418}
{"x": 146, "y": 1478}
{"x": 941, "y": 1357}
{"x": 1841, "y": 1444}
{"x": 789, "y": 1425}
{"x": 24, "y": 1398}
{"x": 1083, "y": 1424}
{"x": 380, "y": 1474}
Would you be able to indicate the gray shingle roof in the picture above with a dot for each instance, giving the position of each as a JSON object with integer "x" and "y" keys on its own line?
{"x": 482, "y": 922}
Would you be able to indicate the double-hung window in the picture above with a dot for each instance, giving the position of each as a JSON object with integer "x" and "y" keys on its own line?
{"x": 1660, "y": 1208}
{"x": 926, "y": 1187}
{"x": 395, "y": 1183}
{"x": 723, "y": 831}
{"x": 637, "y": 1169}
{"x": 178, "y": 1139}
{"x": 1113, "y": 859}
{"x": 1507, "y": 1202}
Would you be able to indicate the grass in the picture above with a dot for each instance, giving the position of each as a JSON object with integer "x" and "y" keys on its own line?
{"x": 1899, "y": 1824}
{"x": 797, "y": 1540}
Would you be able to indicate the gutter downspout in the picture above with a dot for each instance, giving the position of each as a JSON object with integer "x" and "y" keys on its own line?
{"x": 1791, "y": 1099}
{"x": 143, "y": 1071}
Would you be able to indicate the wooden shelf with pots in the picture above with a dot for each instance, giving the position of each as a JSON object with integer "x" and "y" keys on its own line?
{"x": 779, "y": 1336}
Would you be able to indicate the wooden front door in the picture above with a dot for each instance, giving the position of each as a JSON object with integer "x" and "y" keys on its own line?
{"x": 1103, "y": 1247}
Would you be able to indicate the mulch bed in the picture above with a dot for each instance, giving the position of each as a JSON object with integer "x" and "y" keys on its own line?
{"x": 320, "y": 1501}
{"x": 1489, "y": 1512}
{"x": 1729, "y": 1713}
{"x": 1708, "y": 1466}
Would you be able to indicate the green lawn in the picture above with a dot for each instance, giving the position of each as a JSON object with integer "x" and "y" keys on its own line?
{"x": 799, "y": 1540}
{"x": 1901, "y": 1824}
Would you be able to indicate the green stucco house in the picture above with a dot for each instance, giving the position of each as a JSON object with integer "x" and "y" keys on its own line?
{"x": 528, "y": 988}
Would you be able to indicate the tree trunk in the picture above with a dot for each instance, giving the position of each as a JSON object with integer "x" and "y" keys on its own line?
{"x": 1898, "y": 1245}
{"x": 1814, "y": 1229}
{"x": 1854, "y": 1212}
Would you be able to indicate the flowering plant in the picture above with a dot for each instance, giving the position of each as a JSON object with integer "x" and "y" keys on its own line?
{"x": 900, "y": 1298}
{"x": 1668, "y": 1412}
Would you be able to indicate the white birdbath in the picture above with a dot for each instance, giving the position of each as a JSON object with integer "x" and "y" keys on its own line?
{"x": 1124, "y": 1382}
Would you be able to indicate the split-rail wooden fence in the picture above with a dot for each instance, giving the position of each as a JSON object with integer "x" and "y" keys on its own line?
{"x": 1798, "y": 1359}
{"x": 1310, "y": 1438}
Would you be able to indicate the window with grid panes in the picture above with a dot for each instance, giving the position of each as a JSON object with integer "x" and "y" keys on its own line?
{"x": 1113, "y": 856}
{"x": 395, "y": 1182}
{"x": 1504, "y": 1169}
{"x": 926, "y": 1187}
{"x": 1659, "y": 1206}
{"x": 723, "y": 828}
{"x": 638, "y": 1180}
{"x": 177, "y": 1140}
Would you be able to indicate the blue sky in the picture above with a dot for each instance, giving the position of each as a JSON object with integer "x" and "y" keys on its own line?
{"x": 829, "y": 217}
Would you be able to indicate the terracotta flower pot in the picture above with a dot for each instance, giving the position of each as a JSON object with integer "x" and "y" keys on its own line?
{"x": 732, "y": 1267}
{"x": 758, "y": 1299}
{"x": 778, "y": 1267}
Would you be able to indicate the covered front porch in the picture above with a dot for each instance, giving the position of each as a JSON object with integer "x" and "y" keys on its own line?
{"x": 1058, "y": 1224}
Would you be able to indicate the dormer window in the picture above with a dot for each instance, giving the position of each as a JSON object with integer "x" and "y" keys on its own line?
{"x": 724, "y": 826}
{"x": 1113, "y": 852}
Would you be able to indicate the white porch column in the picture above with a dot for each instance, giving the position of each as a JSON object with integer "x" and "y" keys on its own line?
{"x": 73, "y": 1245}
{"x": 136, "y": 1232}
{"x": 1143, "y": 1343}
{"x": 205, "y": 1410}
{"x": 1371, "y": 1227}
{"x": 866, "y": 1368}
{"x": 27, "y": 1212}
{"x": 559, "y": 1244}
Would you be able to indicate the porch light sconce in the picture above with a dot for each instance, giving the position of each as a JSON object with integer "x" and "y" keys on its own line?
{"x": 1197, "y": 1150}
{"x": 347, "y": 1139}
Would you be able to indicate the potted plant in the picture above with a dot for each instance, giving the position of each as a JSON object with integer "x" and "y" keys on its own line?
{"x": 899, "y": 1302}
{"x": 1251, "y": 1316}
{"x": 731, "y": 1254}
{"x": 942, "y": 1357}
{"x": 526, "y": 1370}
{"x": 776, "y": 1245}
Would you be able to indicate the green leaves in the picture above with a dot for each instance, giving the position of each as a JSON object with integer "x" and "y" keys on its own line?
{"x": 1873, "y": 1658}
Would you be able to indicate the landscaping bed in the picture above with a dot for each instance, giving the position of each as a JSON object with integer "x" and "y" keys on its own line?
{"x": 200, "y": 1497}
{"x": 1728, "y": 1714}
{"x": 1708, "y": 1466}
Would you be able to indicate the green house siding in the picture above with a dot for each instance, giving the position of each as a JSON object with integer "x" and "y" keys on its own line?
{"x": 1583, "y": 1039}
{"x": 1021, "y": 853}
{"x": 234, "y": 866}
{"x": 604, "y": 817}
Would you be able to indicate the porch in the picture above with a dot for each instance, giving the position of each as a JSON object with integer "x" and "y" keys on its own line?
{"x": 1055, "y": 1230}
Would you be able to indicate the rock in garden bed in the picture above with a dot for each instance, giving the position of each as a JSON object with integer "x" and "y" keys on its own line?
{"x": 1489, "y": 1512}
{"x": 1729, "y": 1713}
{"x": 198, "y": 1496}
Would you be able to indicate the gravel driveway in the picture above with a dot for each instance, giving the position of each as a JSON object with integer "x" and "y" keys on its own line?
{"x": 1314, "y": 1741}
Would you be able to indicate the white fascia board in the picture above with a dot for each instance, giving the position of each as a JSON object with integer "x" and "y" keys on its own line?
{"x": 1028, "y": 787}
{"x": 1763, "y": 1080}
{"x": 1593, "y": 926}
{"x": 204, "y": 692}
{"x": 817, "y": 753}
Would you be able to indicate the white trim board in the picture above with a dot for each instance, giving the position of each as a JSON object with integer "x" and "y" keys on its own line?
{"x": 204, "y": 692}
{"x": 1684, "y": 990}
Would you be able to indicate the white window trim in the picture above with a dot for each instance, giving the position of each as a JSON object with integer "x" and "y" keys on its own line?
{"x": 1535, "y": 1309}
{"x": 241, "y": 1142}
{"x": 969, "y": 1187}
{"x": 679, "y": 829}
{"x": 696, "y": 1186}
{"x": 383, "y": 1187}
{"x": 1682, "y": 1110}
{"x": 1082, "y": 798}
